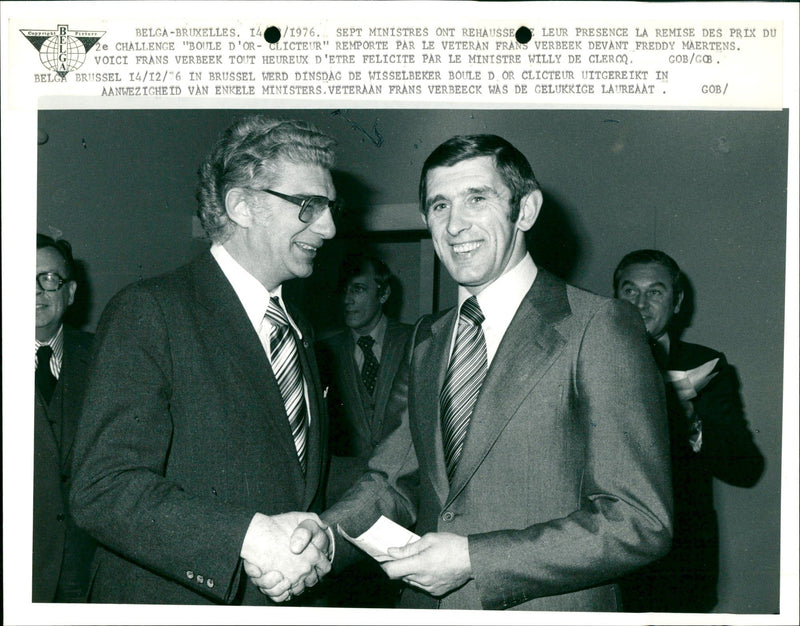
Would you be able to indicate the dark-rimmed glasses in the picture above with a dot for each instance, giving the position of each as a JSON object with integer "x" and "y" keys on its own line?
{"x": 311, "y": 207}
{"x": 50, "y": 281}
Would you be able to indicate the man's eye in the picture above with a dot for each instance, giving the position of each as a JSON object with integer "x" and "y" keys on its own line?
{"x": 476, "y": 199}
{"x": 438, "y": 206}
{"x": 655, "y": 293}
{"x": 629, "y": 292}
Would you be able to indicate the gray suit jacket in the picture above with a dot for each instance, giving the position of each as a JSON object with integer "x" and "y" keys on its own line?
{"x": 564, "y": 479}
{"x": 184, "y": 437}
{"x": 356, "y": 418}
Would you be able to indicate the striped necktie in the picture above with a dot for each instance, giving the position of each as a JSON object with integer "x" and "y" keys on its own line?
{"x": 462, "y": 384}
{"x": 286, "y": 367}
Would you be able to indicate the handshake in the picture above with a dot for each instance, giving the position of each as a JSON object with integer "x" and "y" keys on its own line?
{"x": 284, "y": 554}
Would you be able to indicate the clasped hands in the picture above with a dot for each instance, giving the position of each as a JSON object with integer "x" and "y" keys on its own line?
{"x": 437, "y": 563}
{"x": 285, "y": 554}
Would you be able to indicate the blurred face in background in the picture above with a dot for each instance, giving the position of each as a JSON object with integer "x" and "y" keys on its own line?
{"x": 363, "y": 301}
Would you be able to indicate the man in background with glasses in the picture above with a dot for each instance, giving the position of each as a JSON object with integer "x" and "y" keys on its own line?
{"x": 204, "y": 421}
{"x": 62, "y": 553}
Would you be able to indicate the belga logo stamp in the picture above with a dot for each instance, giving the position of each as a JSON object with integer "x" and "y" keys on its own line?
{"x": 63, "y": 50}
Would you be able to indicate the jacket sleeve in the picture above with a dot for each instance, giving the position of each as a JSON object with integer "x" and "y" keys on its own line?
{"x": 728, "y": 447}
{"x": 622, "y": 518}
{"x": 120, "y": 494}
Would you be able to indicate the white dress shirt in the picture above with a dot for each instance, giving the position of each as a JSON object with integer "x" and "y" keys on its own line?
{"x": 499, "y": 302}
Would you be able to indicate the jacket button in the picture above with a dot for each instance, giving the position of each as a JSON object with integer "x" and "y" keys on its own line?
{"x": 200, "y": 578}
{"x": 210, "y": 583}
{"x": 448, "y": 516}
{"x": 189, "y": 574}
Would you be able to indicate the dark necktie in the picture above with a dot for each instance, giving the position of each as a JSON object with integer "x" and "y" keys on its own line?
{"x": 45, "y": 381}
{"x": 286, "y": 367}
{"x": 462, "y": 384}
{"x": 369, "y": 371}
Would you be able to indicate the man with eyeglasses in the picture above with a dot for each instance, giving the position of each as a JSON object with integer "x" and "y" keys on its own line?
{"x": 204, "y": 421}
{"x": 62, "y": 553}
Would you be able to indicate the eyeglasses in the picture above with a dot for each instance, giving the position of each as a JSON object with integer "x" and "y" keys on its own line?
{"x": 311, "y": 207}
{"x": 50, "y": 281}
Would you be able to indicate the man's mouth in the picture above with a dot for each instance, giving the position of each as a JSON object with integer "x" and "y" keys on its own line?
{"x": 307, "y": 248}
{"x": 466, "y": 247}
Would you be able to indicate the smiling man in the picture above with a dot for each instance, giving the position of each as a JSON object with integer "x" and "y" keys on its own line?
{"x": 530, "y": 444}
{"x": 709, "y": 439}
{"x": 204, "y": 420}
{"x": 62, "y": 553}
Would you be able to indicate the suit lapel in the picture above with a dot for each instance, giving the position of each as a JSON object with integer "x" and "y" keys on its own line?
{"x": 226, "y": 327}
{"x": 528, "y": 348}
{"x": 318, "y": 426}
{"x": 74, "y": 370}
{"x": 391, "y": 355}
{"x": 430, "y": 372}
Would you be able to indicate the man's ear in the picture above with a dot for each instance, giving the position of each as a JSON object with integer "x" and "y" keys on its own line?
{"x": 529, "y": 210}
{"x": 237, "y": 207}
{"x": 73, "y": 287}
{"x": 677, "y": 306}
{"x": 387, "y": 291}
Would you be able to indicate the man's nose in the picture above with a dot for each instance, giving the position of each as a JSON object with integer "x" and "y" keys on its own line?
{"x": 456, "y": 221}
{"x": 324, "y": 225}
{"x": 641, "y": 301}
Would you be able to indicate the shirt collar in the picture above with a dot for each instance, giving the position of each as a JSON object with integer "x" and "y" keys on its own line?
{"x": 56, "y": 343}
{"x": 376, "y": 333}
{"x": 251, "y": 293}
{"x": 500, "y": 300}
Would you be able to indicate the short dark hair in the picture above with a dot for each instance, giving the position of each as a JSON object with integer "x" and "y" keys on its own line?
{"x": 652, "y": 256}
{"x": 356, "y": 263}
{"x": 63, "y": 247}
{"x": 511, "y": 164}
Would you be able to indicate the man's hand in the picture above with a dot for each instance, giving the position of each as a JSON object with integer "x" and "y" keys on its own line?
{"x": 437, "y": 563}
{"x": 282, "y": 568}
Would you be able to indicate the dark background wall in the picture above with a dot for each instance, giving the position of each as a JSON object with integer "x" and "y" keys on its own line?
{"x": 707, "y": 187}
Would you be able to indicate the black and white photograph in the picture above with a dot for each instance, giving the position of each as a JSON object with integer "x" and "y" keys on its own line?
{"x": 359, "y": 360}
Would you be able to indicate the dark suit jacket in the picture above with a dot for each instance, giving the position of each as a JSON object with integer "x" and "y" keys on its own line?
{"x": 184, "y": 438}
{"x": 686, "y": 579}
{"x": 62, "y": 553}
{"x": 356, "y": 417}
{"x": 563, "y": 482}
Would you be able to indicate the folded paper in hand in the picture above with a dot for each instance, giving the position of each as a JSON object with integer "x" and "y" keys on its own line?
{"x": 688, "y": 383}
{"x": 381, "y": 536}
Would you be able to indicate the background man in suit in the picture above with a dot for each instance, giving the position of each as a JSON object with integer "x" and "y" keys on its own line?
{"x": 530, "y": 443}
{"x": 204, "y": 420}
{"x": 359, "y": 363}
{"x": 709, "y": 438}
{"x": 62, "y": 553}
